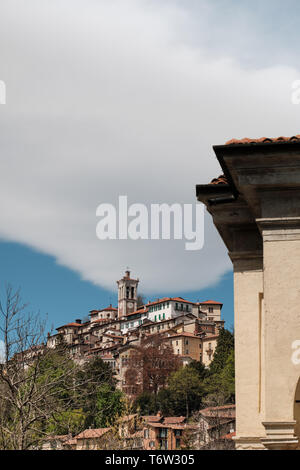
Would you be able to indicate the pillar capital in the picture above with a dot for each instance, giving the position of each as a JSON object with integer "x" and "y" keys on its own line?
{"x": 247, "y": 260}
{"x": 279, "y": 228}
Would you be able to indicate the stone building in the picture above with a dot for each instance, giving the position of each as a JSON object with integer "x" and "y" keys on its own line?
{"x": 192, "y": 328}
{"x": 255, "y": 207}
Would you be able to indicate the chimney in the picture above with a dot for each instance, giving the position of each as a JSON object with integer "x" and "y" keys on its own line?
{"x": 78, "y": 320}
{"x": 127, "y": 273}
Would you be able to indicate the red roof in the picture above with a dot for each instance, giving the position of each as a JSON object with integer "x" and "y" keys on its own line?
{"x": 230, "y": 435}
{"x": 212, "y": 302}
{"x": 220, "y": 180}
{"x": 184, "y": 333}
{"x": 138, "y": 312}
{"x": 208, "y": 337}
{"x": 152, "y": 419}
{"x": 264, "y": 140}
{"x": 174, "y": 419}
{"x": 107, "y": 309}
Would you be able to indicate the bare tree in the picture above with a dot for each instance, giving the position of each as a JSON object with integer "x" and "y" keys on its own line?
{"x": 210, "y": 425}
{"x": 37, "y": 383}
{"x": 150, "y": 365}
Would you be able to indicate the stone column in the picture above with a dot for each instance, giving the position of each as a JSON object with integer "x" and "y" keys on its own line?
{"x": 248, "y": 300}
{"x": 281, "y": 246}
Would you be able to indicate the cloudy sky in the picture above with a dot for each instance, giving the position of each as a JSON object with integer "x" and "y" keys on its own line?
{"x": 127, "y": 97}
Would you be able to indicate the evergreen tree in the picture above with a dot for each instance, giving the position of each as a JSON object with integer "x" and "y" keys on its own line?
{"x": 224, "y": 347}
{"x": 187, "y": 388}
{"x": 110, "y": 405}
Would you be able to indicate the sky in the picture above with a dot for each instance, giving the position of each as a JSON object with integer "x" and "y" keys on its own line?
{"x": 126, "y": 97}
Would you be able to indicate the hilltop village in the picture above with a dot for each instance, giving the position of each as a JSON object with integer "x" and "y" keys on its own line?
{"x": 112, "y": 333}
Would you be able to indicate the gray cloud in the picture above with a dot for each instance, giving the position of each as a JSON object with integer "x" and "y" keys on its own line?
{"x": 111, "y": 97}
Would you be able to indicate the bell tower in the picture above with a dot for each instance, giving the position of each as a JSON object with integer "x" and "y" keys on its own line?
{"x": 127, "y": 295}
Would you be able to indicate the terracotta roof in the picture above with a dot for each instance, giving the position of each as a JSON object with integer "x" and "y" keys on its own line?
{"x": 92, "y": 433}
{"x": 225, "y": 411}
{"x": 184, "y": 333}
{"x": 113, "y": 336}
{"x": 137, "y": 312}
{"x": 107, "y": 356}
{"x": 212, "y": 302}
{"x": 174, "y": 419}
{"x": 69, "y": 324}
{"x": 220, "y": 180}
{"x": 264, "y": 140}
{"x": 107, "y": 309}
{"x": 152, "y": 419}
{"x": 222, "y": 407}
{"x": 230, "y": 435}
{"x": 208, "y": 338}
{"x": 70, "y": 442}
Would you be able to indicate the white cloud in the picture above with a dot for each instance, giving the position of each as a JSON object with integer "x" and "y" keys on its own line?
{"x": 106, "y": 98}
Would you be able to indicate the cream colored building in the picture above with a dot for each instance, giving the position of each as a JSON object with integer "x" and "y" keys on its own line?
{"x": 256, "y": 209}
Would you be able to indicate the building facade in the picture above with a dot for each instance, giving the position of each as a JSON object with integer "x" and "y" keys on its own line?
{"x": 113, "y": 333}
{"x": 255, "y": 207}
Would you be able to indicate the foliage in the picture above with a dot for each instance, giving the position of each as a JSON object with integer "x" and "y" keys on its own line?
{"x": 66, "y": 422}
{"x": 110, "y": 405}
{"x": 188, "y": 389}
{"x": 225, "y": 345}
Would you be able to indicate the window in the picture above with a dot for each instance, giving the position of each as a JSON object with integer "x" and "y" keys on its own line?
{"x": 186, "y": 341}
{"x": 210, "y": 309}
{"x": 177, "y": 443}
{"x": 146, "y": 433}
{"x": 186, "y": 351}
{"x": 163, "y": 432}
{"x": 164, "y": 444}
{"x": 152, "y": 444}
{"x": 164, "y": 316}
{"x": 155, "y": 316}
{"x": 176, "y": 343}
